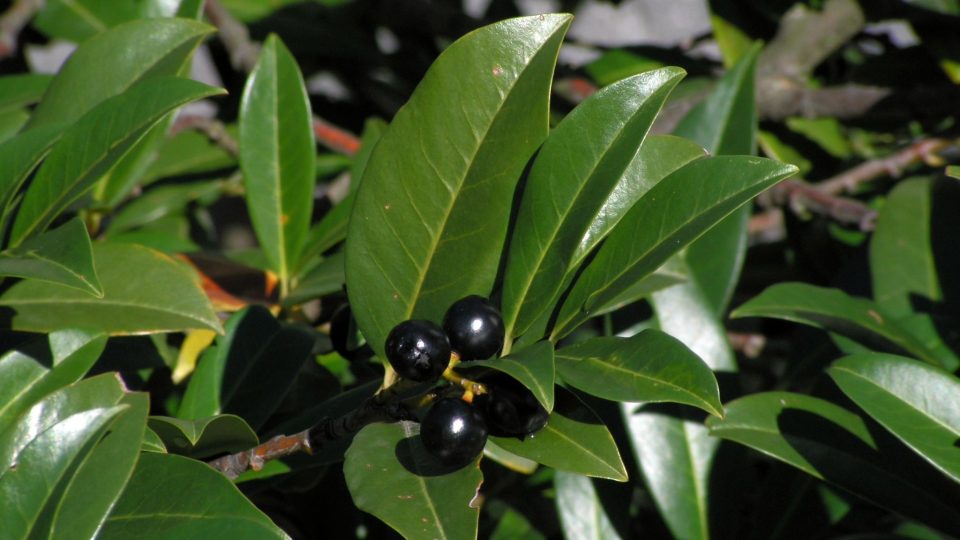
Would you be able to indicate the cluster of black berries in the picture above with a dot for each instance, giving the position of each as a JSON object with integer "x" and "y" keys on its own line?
{"x": 454, "y": 430}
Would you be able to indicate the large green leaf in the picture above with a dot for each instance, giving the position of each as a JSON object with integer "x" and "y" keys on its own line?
{"x": 648, "y": 367}
{"x": 144, "y": 291}
{"x": 95, "y": 143}
{"x": 250, "y": 369}
{"x": 95, "y": 486}
{"x": 277, "y": 156}
{"x": 391, "y": 475}
{"x": 77, "y": 20}
{"x": 189, "y": 152}
{"x": 29, "y": 373}
{"x": 206, "y": 437}
{"x": 675, "y": 212}
{"x": 573, "y": 440}
{"x": 431, "y": 214}
{"x": 920, "y": 404}
{"x": 110, "y": 63}
{"x": 901, "y": 256}
{"x": 533, "y": 366}
{"x": 325, "y": 277}
{"x": 63, "y": 255}
{"x": 161, "y": 202}
{"x": 580, "y": 510}
{"x": 20, "y": 90}
{"x": 831, "y": 309}
{"x": 44, "y": 464}
{"x": 18, "y": 157}
{"x": 176, "y": 497}
{"x": 581, "y": 166}
{"x": 834, "y": 444}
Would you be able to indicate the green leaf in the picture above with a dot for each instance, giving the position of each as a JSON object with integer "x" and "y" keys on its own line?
{"x": 173, "y": 496}
{"x": 96, "y": 485}
{"x": 112, "y": 62}
{"x": 188, "y": 152}
{"x": 46, "y": 462}
{"x": 675, "y": 212}
{"x": 328, "y": 232}
{"x": 373, "y": 130}
{"x": 901, "y": 255}
{"x": 831, "y": 309}
{"x": 512, "y": 525}
{"x": 574, "y": 440}
{"x": 580, "y": 168}
{"x": 161, "y": 202}
{"x": 18, "y": 157}
{"x": 11, "y": 122}
{"x": 77, "y": 20}
{"x": 144, "y": 291}
{"x": 277, "y": 156}
{"x": 673, "y": 272}
{"x": 898, "y": 393}
{"x": 63, "y": 255}
{"x": 249, "y": 370}
{"x": 533, "y": 366}
{"x": 29, "y": 373}
{"x": 204, "y": 438}
{"x": 580, "y": 510}
{"x": 96, "y": 142}
{"x": 424, "y": 205}
{"x": 649, "y": 367}
{"x": 391, "y": 475}
{"x": 152, "y": 442}
{"x": 18, "y": 91}
{"x": 834, "y": 444}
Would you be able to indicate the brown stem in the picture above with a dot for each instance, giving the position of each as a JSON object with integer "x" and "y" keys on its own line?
{"x": 802, "y": 198}
{"x": 922, "y": 151}
{"x": 13, "y": 21}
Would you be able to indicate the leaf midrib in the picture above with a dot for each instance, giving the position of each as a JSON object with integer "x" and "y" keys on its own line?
{"x": 8, "y": 302}
{"x": 617, "y": 473}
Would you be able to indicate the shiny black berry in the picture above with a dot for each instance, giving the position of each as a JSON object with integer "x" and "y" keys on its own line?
{"x": 418, "y": 350}
{"x": 454, "y": 432}
{"x": 509, "y": 408}
{"x": 475, "y": 328}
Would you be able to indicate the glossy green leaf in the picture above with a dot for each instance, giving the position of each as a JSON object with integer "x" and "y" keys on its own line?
{"x": 580, "y": 510}
{"x": 423, "y": 207}
{"x": 113, "y": 61}
{"x": 673, "y": 272}
{"x": 173, "y": 496}
{"x": 250, "y": 369}
{"x": 63, "y": 255}
{"x": 29, "y": 373}
{"x": 831, "y": 309}
{"x": 569, "y": 187}
{"x": 919, "y": 404}
{"x": 46, "y": 462}
{"x": 77, "y": 20}
{"x": 373, "y": 130}
{"x": 199, "y": 439}
{"x": 675, "y": 212}
{"x": 834, "y": 444}
{"x": 277, "y": 155}
{"x": 161, "y": 202}
{"x": 21, "y": 90}
{"x": 574, "y": 440}
{"x": 96, "y": 484}
{"x": 390, "y": 475}
{"x": 901, "y": 255}
{"x": 152, "y": 442}
{"x": 18, "y": 157}
{"x": 649, "y": 367}
{"x": 144, "y": 291}
{"x": 508, "y": 459}
{"x": 533, "y": 366}
{"x": 94, "y": 144}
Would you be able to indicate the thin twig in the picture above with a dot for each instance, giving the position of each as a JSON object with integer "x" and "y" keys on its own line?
{"x": 388, "y": 405}
{"x": 212, "y": 128}
{"x": 922, "y": 151}
{"x": 803, "y": 198}
{"x": 13, "y": 21}
{"x": 244, "y": 53}
{"x": 750, "y": 345}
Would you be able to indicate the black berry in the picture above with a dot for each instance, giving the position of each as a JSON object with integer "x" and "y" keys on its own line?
{"x": 454, "y": 432}
{"x": 475, "y": 328}
{"x": 509, "y": 408}
{"x": 418, "y": 350}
